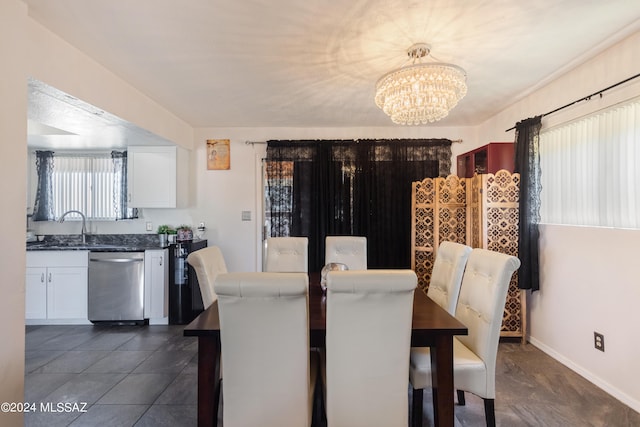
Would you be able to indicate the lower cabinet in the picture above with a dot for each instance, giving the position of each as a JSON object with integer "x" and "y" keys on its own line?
{"x": 56, "y": 286}
{"x": 56, "y": 290}
{"x": 36, "y": 293}
{"x": 156, "y": 285}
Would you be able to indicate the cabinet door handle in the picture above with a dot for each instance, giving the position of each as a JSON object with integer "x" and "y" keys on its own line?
{"x": 42, "y": 278}
{"x": 161, "y": 262}
{"x": 49, "y": 277}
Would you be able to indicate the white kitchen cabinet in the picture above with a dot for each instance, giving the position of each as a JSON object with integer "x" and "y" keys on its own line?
{"x": 56, "y": 287}
{"x": 156, "y": 285}
{"x": 157, "y": 176}
{"x": 36, "y": 293}
{"x": 67, "y": 293}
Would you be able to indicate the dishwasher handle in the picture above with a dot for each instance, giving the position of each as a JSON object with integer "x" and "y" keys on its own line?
{"x": 121, "y": 260}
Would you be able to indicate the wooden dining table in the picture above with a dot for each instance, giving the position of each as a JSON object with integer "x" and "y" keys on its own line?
{"x": 431, "y": 327}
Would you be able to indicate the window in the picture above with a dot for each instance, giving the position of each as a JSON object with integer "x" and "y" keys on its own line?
{"x": 590, "y": 173}
{"x": 278, "y": 198}
{"x": 94, "y": 184}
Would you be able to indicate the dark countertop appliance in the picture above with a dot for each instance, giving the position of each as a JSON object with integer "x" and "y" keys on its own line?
{"x": 185, "y": 300}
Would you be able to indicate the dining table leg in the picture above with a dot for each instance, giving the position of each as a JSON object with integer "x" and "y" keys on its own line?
{"x": 208, "y": 380}
{"x": 442, "y": 380}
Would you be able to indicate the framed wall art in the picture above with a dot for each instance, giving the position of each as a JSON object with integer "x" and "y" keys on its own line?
{"x": 218, "y": 154}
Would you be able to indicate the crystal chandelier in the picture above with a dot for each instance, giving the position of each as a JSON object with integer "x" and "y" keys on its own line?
{"x": 420, "y": 93}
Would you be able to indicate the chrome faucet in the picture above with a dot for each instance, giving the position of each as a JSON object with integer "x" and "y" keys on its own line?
{"x": 84, "y": 223}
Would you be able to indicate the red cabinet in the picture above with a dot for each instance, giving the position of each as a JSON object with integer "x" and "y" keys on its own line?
{"x": 489, "y": 158}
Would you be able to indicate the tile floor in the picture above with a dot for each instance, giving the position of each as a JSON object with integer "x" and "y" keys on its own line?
{"x": 147, "y": 376}
{"x": 126, "y": 375}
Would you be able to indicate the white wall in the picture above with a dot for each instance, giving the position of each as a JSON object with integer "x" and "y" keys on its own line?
{"x": 588, "y": 279}
{"x": 13, "y": 152}
{"x": 590, "y": 283}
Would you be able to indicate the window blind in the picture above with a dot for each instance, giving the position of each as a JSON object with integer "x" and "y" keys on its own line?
{"x": 589, "y": 169}
{"x": 85, "y": 183}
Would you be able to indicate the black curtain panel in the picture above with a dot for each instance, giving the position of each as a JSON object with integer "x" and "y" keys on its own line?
{"x": 350, "y": 187}
{"x": 43, "y": 206}
{"x": 121, "y": 199}
{"x": 527, "y": 164}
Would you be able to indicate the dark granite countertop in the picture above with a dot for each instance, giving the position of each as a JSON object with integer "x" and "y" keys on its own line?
{"x": 97, "y": 243}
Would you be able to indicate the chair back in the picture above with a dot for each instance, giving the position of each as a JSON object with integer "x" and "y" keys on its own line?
{"x": 481, "y": 305}
{"x": 287, "y": 255}
{"x": 208, "y": 263}
{"x": 348, "y": 250}
{"x": 264, "y": 332}
{"x": 368, "y": 338}
{"x": 446, "y": 276}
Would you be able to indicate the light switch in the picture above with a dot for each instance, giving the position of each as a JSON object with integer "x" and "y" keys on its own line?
{"x": 246, "y": 215}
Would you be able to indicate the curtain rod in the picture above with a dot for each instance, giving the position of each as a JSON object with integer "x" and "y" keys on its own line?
{"x": 585, "y": 98}
{"x": 456, "y": 141}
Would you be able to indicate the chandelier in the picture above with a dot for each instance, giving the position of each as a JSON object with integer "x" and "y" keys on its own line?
{"x": 420, "y": 93}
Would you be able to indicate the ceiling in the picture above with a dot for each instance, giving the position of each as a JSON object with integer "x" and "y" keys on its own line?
{"x": 57, "y": 120}
{"x": 314, "y": 63}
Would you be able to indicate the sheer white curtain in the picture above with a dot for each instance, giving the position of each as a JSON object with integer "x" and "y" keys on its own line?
{"x": 591, "y": 170}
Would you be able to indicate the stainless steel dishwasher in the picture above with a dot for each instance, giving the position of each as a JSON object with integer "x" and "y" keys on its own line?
{"x": 116, "y": 287}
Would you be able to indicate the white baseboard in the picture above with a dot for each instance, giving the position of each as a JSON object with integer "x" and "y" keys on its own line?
{"x": 613, "y": 391}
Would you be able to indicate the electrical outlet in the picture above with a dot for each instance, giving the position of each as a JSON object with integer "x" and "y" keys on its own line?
{"x": 149, "y": 226}
{"x": 598, "y": 341}
{"x": 246, "y": 215}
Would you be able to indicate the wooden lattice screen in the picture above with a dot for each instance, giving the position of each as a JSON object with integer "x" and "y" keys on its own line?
{"x": 481, "y": 212}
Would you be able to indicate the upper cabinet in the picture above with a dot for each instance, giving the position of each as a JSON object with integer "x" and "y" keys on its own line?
{"x": 157, "y": 176}
{"x": 489, "y": 158}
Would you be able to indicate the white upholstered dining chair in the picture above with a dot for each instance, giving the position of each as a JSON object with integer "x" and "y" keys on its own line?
{"x": 287, "y": 255}
{"x": 446, "y": 276}
{"x": 208, "y": 263}
{"x": 348, "y": 250}
{"x": 368, "y": 337}
{"x": 264, "y": 333}
{"x": 480, "y": 307}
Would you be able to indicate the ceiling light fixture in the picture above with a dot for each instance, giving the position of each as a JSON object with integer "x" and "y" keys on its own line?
{"x": 420, "y": 93}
